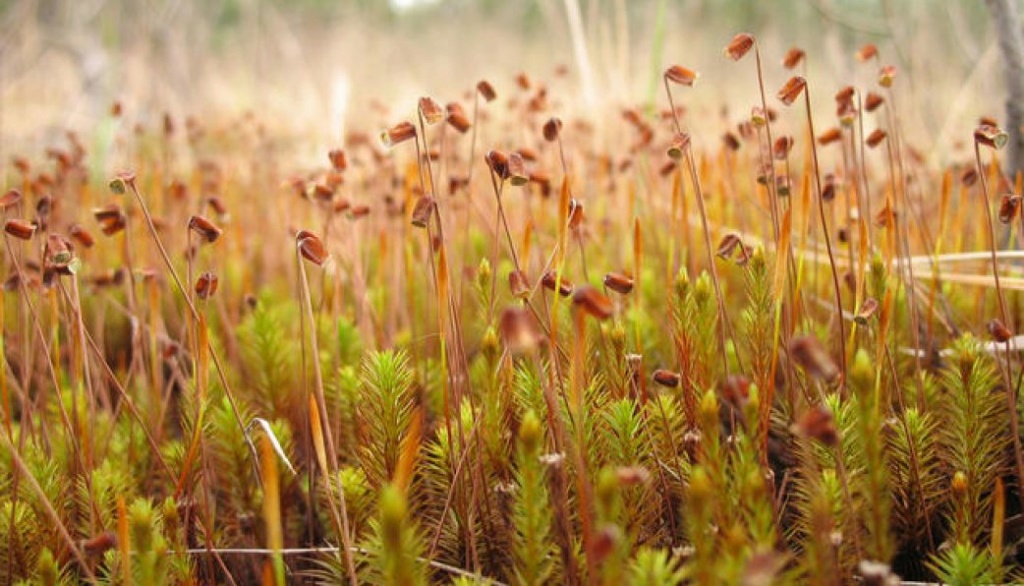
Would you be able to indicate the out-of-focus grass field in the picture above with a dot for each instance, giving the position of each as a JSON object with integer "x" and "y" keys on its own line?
{"x": 315, "y": 67}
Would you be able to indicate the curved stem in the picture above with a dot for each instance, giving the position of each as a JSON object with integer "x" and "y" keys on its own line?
{"x": 828, "y": 239}
{"x": 1011, "y": 391}
{"x": 321, "y": 404}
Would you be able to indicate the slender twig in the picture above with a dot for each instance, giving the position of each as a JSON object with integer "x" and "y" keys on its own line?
{"x": 332, "y": 453}
{"x": 695, "y": 179}
{"x": 191, "y": 306}
{"x": 691, "y": 167}
{"x": 1011, "y": 393}
{"x": 828, "y": 239}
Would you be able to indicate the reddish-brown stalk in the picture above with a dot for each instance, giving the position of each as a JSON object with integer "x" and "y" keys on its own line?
{"x": 127, "y": 401}
{"x": 828, "y": 239}
{"x": 127, "y": 180}
{"x": 695, "y": 179}
{"x": 562, "y": 523}
{"x": 902, "y": 233}
{"x": 36, "y": 324}
{"x": 638, "y": 258}
{"x": 722, "y": 316}
{"x": 340, "y": 516}
{"x": 886, "y": 81}
{"x": 448, "y": 312}
{"x": 453, "y": 313}
{"x": 82, "y": 355}
{"x": 5, "y": 396}
{"x": 864, "y": 203}
{"x": 785, "y": 331}
{"x": 863, "y": 194}
{"x": 565, "y": 173}
{"x": 576, "y": 388}
{"x": 789, "y": 311}
{"x": 500, "y": 221}
{"x": 1011, "y": 391}
{"x": 772, "y": 195}
{"x": 468, "y": 204}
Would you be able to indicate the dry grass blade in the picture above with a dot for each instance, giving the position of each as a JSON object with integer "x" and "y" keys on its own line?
{"x": 272, "y": 505}
{"x": 268, "y": 431}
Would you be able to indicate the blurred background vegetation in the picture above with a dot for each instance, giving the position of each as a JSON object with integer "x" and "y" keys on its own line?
{"x": 313, "y": 67}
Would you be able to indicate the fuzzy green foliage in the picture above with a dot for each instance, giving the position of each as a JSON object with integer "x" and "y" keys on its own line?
{"x": 385, "y": 405}
{"x": 817, "y": 492}
{"x": 695, "y": 318}
{"x": 96, "y": 498}
{"x": 396, "y": 547}
{"x": 534, "y": 552}
{"x": 918, "y": 482}
{"x": 727, "y": 490}
{"x": 973, "y": 438}
{"x": 19, "y": 551}
{"x": 628, "y": 447}
{"x": 963, "y": 565}
{"x": 343, "y": 395}
{"x": 230, "y": 459}
{"x": 270, "y": 351}
{"x": 655, "y": 567}
{"x": 611, "y": 539}
{"x": 666, "y": 425}
{"x": 758, "y": 320}
{"x": 150, "y": 561}
{"x": 448, "y": 496}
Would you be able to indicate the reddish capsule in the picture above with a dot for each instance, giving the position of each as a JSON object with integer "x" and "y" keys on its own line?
{"x": 667, "y": 378}
{"x": 681, "y": 75}
{"x": 1008, "y": 208}
{"x": 518, "y": 330}
{"x": 99, "y": 544}
{"x": 592, "y": 302}
{"x": 810, "y": 355}
{"x": 991, "y": 136}
{"x": 875, "y": 138}
{"x": 311, "y": 247}
{"x": 398, "y": 134}
{"x": 206, "y": 285}
{"x": 21, "y": 229}
{"x": 792, "y": 90}
{"x": 1000, "y": 333}
{"x": 619, "y": 283}
{"x": 552, "y": 128}
{"x": 423, "y": 211}
{"x": 81, "y": 236}
{"x": 338, "y": 159}
{"x": 519, "y": 284}
{"x": 204, "y": 227}
{"x": 739, "y": 46}
{"x": 818, "y": 424}
{"x": 457, "y": 118}
{"x": 11, "y": 198}
{"x": 793, "y": 58}
{"x": 867, "y": 309}
{"x": 564, "y": 286}
{"x": 486, "y": 90}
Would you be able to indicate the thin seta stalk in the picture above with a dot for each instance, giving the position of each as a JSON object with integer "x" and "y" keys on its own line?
{"x": 118, "y": 185}
{"x": 309, "y": 246}
{"x": 788, "y": 94}
{"x": 681, "y": 148}
{"x": 995, "y": 138}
